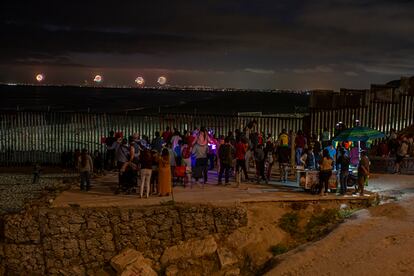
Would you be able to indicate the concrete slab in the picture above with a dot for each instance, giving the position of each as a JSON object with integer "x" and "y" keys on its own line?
{"x": 102, "y": 194}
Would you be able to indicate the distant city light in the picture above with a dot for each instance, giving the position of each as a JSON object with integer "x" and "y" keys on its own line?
{"x": 140, "y": 81}
{"x": 40, "y": 77}
{"x": 98, "y": 78}
{"x": 162, "y": 80}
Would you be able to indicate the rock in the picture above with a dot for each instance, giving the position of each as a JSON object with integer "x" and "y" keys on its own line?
{"x": 141, "y": 267}
{"x": 232, "y": 272}
{"x": 172, "y": 270}
{"x": 226, "y": 257}
{"x": 102, "y": 272}
{"x": 192, "y": 248}
{"x": 125, "y": 258}
{"x": 76, "y": 219}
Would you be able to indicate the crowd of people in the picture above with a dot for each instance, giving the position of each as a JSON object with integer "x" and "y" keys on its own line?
{"x": 400, "y": 147}
{"x": 172, "y": 157}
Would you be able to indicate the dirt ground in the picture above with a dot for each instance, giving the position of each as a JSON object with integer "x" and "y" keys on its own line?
{"x": 377, "y": 241}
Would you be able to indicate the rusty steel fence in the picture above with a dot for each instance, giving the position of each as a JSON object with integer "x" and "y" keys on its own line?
{"x": 27, "y": 137}
{"x": 378, "y": 115}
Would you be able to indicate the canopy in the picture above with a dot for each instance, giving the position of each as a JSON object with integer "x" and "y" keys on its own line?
{"x": 358, "y": 133}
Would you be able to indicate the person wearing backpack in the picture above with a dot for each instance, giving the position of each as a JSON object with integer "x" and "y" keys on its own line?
{"x": 343, "y": 167}
{"x": 226, "y": 160}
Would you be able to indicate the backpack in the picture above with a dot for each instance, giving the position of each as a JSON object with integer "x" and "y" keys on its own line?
{"x": 225, "y": 154}
{"x": 186, "y": 152}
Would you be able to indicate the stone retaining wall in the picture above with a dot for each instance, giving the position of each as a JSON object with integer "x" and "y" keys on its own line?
{"x": 72, "y": 241}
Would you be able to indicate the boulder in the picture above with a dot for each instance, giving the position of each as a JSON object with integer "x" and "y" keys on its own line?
{"x": 193, "y": 248}
{"x": 172, "y": 270}
{"x": 226, "y": 257}
{"x": 140, "y": 267}
{"x": 132, "y": 263}
{"x": 125, "y": 258}
{"x": 232, "y": 272}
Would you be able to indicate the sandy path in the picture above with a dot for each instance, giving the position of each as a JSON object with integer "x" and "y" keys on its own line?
{"x": 379, "y": 241}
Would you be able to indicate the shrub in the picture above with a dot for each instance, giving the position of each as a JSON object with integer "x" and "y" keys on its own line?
{"x": 278, "y": 249}
{"x": 321, "y": 224}
{"x": 289, "y": 223}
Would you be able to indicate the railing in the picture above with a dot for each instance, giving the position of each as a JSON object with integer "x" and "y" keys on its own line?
{"x": 380, "y": 116}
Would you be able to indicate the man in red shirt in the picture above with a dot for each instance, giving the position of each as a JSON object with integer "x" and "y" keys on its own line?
{"x": 166, "y": 135}
{"x": 300, "y": 142}
{"x": 241, "y": 149}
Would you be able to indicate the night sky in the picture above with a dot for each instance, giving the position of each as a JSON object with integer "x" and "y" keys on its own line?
{"x": 242, "y": 44}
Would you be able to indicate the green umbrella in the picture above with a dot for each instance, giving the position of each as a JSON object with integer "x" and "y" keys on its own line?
{"x": 358, "y": 133}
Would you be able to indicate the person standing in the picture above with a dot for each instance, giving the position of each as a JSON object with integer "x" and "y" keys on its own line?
{"x": 226, "y": 159}
{"x": 343, "y": 167}
{"x": 158, "y": 142}
{"x": 332, "y": 151}
{"x": 146, "y": 171}
{"x": 325, "y": 137}
{"x": 300, "y": 143}
{"x": 325, "y": 172}
{"x": 201, "y": 162}
{"x": 86, "y": 169}
{"x": 310, "y": 160}
{"x": 37, "y": 169}
{"x": 402, "y": 152}
{"x": 283, "y": 155}
{"x": 97, "y": 162}
{"x": 269, "y": 159}
{"x": 363, "y": 172}
{"x": 167, "y": 134}
{"x": 110, "y": 151}
{"x": 164, "y": 173}
{"x": 241, "y": 150}
{"x": 186, "y": 160}
{"x": 259, "y": 157}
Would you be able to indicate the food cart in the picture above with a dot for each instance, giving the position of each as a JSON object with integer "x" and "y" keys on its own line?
{"x": 307, "y": 178}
